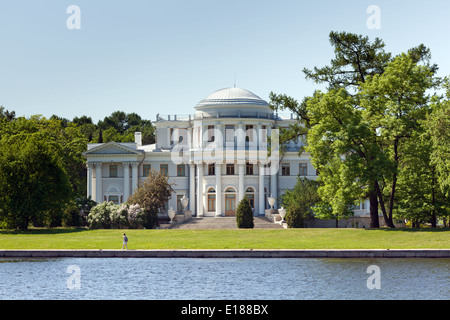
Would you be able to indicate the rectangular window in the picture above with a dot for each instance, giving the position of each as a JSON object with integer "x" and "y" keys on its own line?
{"x": 113, "y": 171}
{"x": 303, "y": 169}
{"x": 229, "y": 132}
{"x": 249, "y": 169}
{"x": 146, "y": 169}
{"x": 181, "y": 170}
{"x": 249, "y": 133}
{"x": 230, "y": 169}
{"x": 285, "y": 169}
{"x": 263, "y": 134}
{"x": 114, "y": 199}
{"x": 164, "y": 169}
{"x": 211, "y": 169}
{"x": 210, "y": 133}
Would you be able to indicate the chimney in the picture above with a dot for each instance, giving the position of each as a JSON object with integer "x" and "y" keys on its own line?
{"x": 138, "y": 138}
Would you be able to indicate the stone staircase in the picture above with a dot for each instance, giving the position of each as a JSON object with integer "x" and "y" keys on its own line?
{"x": 224, "y": 223}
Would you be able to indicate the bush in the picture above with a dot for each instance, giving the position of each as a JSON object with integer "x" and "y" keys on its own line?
{"x": 136, "y": 216}
{"x": 119, "y": 216}
{"x": 295, "y": 217}
{"x": 100, "y": 215}
{"x": 244, "y": 214}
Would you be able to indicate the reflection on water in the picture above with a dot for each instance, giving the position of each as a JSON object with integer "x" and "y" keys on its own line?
{"x": 225, "y": 279}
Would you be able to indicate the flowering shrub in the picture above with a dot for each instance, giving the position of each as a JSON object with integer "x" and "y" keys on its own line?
{"x": 108, "y": 215}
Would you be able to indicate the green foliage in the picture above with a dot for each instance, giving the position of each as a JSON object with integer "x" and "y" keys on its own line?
{"x": 360, "y": 127}
{"x": 42, "y": 168}
{"x": 438, "y": 127}
{"x": 244, "y": 215}
{"x": 34, "y": 184}
{"x": 152, "y": 195}
{"x": 300, "y": 201}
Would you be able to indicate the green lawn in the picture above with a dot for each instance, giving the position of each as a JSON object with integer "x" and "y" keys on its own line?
{"x": 227, "y": 239}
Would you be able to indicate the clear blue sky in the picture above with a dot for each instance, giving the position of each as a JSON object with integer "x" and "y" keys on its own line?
{"x": 164, "y": 56}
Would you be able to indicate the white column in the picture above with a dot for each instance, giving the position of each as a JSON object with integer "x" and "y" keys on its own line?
{"x": 98, "y": 182}
{"x": 126, "y": 181}
{"x": 261, "y": 189}
{"x": 241, "y": 191}
{"x": 134, "y": 176}
{"x": 218, "y": 171}
{"x": 192, "y": 188}
{"x": 240, "y": 132}
{"x": 200, "y": 189}
{"x": 274, "y": 188}
{"x": 89, "y": 167}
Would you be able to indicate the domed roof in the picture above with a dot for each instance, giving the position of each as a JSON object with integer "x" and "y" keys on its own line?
{"x": 232, "y": 97}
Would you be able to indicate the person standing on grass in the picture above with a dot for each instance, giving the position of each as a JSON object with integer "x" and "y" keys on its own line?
{"x": 125, "y": 242}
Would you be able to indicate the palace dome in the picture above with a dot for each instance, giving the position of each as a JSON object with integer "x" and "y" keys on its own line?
{"x": 232, "y": 97}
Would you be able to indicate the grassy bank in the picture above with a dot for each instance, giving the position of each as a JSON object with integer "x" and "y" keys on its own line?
{"x": 227, "y": 239}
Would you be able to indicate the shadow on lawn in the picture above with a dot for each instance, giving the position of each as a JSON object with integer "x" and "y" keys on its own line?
{"x": 413, "y": 229}
{"x": 44, "y": 231}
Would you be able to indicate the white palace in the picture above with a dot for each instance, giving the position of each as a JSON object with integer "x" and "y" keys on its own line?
{"x": 214, "y": 158}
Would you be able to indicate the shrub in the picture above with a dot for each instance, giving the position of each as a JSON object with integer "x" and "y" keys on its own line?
{"x": 244, "y": 214}
{"x": 119, "y": 216}
{"x": 100, "y": 215}
{"x": 295, "y": 217}
{"x": 136, "y": 216}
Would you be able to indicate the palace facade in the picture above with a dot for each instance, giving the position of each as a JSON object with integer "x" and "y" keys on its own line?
{"x": 214, "y": 157}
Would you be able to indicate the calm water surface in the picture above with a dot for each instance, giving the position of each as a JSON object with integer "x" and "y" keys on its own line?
{"x": 224, "y": 279}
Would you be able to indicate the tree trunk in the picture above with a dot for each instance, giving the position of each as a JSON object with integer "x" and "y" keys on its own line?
{"x": 388, "y": 220}
{"x": 374, "y": 221}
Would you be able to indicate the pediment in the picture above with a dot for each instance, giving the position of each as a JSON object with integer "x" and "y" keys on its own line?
{"x": 112, "y": 148}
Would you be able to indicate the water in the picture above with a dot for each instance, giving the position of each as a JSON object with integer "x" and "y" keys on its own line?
{"x": 222, "y": 279}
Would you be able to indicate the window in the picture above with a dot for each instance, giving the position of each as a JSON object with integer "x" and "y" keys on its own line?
{"x": 210, "y": 133}
{"x": 249, "y": 133}
{"x": 285, "y": 169}
{"x": 230, "y": 169}
{"x": 211, "y": 200}
{"x": 146, "y": 169}
{"x": 114, "y": 199}
{"x": 181, "y": 170}
{"x": 211, "y": 169}
{"x": 113, "y": 171}
{"x": 303, "y": 169}
{"x": 164, "y": 169}
{"x": 229, "y": 132}
{"x": 249, "y": 169}
{"x": 263, "y": 134}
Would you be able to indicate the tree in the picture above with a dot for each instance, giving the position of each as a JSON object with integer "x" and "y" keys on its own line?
{"x": 33, "y": 181}
{"x": 393, "y": 105}
{"x": 299, "y": 202}
{"x": 244, "y": 214}
{"x": 355, "y": 59}
{"x": 345, "y": 126}
{"x": 438, "y": 127}
{"x": 152, "y": 195}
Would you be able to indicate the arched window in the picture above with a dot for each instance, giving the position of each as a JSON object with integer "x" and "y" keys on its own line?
{"x": 211, "y": 200}
{"x": 230, "y": 190}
